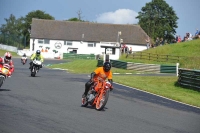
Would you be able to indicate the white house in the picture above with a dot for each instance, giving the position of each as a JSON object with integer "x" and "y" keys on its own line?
{"x": 54, "y": 38}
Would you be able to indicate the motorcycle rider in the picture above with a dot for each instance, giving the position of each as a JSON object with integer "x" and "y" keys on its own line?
{"x": 37, "y": 55}
{"x": 24, "y": 56}
{"x": 7, "y": 59}
{"x": 103, "y": 72}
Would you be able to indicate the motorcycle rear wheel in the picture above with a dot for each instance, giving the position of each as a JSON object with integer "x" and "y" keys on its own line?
{"x": 101, "y": 101}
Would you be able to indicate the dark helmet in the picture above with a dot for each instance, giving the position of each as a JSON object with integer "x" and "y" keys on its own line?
{"x": 38, "y": 52}
{"x": 107, "y": 66}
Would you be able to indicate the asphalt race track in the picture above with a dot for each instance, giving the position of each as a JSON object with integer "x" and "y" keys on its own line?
{"x": 51, "y": 103}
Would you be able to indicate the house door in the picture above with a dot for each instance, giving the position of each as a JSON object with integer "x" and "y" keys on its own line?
{"x": 72, "y": 50}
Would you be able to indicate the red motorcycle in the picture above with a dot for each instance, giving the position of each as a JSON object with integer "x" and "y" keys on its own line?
{"x": 4, "y": 71}
{"x": 98, "y": 94}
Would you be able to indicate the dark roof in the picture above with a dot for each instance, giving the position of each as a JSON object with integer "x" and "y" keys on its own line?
{"x": 94, "y": 32}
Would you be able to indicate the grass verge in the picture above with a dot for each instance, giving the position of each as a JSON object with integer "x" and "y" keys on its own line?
{"x": 161, "y": 85}
{"x": 2, "y": 52}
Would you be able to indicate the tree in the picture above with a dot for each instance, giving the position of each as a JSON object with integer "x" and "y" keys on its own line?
{"x": 73, "y": 19}
{"x": 12, "y": 30}
{"x": 12, "y": 26}
{"x": 28, "y": 20}
{"x": 158, "y": 19}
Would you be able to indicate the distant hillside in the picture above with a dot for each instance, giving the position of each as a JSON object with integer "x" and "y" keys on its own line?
{"x": 190, "y": 50}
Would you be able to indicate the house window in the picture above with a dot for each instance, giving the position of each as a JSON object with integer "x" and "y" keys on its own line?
{"x": 43, "y": 41}
{"x": 91, "y": 44}
{"x": 69, "y": 43}
{"x": 46, "y": 41}
{"x": 110, "y": 51}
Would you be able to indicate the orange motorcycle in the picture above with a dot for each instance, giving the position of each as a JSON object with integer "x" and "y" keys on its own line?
{"x": 98, "y": 94}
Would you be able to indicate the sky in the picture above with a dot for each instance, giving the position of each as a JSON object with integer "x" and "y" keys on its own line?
{"x": 103, "y": 11}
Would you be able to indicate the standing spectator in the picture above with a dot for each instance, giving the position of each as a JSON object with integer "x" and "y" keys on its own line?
{"x": 130, "y": 50}
{"x": 157, "y": 41}
{"x": 179, "y": 38}
{"x": 148, "y": 42}
{"x": 190, "y": 37}
{"x": 126, "y": 50}
{"x": 176, "y": 38}
{"x": 187, "y": 35}
{"x": 197, "y": 32}
{"x": 161, "y": 41}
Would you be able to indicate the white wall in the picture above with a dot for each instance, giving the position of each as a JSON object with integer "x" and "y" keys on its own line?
{"x": 82, "y": 48}
{"x": 9, "y": 48}
{"x": 116, "y": 56}
{"x": 26, "y": 51}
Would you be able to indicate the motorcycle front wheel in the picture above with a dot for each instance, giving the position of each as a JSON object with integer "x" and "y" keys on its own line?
{"x": 24, "y": 62}
{"x": 33, "y": 71}
{"x": 102, "y": 100}
{"x": 84, "y": 102}
{"x": 1, "y": 80}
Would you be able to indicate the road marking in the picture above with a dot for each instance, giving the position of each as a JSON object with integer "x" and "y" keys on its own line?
{"x": 59, "y": 69}
{"x": 158, "y": 95}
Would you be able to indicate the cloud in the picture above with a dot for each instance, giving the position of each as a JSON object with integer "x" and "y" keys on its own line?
{"x": 120, "y": 16}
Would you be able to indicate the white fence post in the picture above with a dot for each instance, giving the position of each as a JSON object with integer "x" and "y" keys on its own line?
{"x": 177, "y": 66}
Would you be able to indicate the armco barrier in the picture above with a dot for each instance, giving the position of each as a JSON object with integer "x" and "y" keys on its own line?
{"x": 143, "y": 67}
{"x": 189, "y": 78}
{"x": 167, "y": 69}
{"x": 78, "y": 56}
{"x": 140, "y": 67}
{"x": 99, "y": 63}
{"x": 119, "y": 64}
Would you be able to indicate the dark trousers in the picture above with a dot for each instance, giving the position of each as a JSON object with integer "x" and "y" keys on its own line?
{"x": 87, "y": 86}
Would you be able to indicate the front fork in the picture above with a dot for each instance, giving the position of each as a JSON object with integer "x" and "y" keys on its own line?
{"x": 99, "y": 95}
